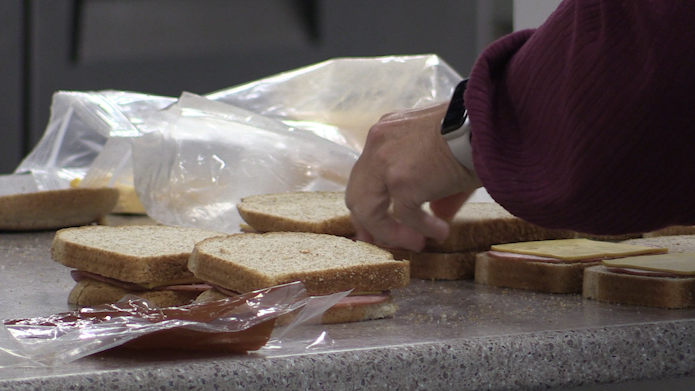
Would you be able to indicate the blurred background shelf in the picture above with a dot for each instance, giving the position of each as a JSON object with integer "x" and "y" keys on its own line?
{"x": 165, "y": 47}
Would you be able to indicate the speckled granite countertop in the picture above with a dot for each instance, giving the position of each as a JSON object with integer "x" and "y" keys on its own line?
{"x": 447, "y": 335}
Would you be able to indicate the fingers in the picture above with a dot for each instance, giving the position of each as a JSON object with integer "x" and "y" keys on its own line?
{"x": 418, "y": 220}
{"x": 369, "y": 202}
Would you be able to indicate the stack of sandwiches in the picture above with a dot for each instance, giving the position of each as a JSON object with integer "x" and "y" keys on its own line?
{"x": 552, "y": 266}
{"x": 306, "y": 236}
{"x": 321, "y": 221}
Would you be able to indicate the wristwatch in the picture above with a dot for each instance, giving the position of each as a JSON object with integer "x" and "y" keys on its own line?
{"x": 456, "y": 128}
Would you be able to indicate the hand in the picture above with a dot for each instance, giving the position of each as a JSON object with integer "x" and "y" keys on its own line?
{"x": 405, "y": 163}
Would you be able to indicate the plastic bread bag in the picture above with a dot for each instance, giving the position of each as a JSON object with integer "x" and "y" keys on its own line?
{"x": 79, "y": 126}
{"x": 236, "y": 325}
{"x": 208, "y": 155}
{"x": 340, "y": 99}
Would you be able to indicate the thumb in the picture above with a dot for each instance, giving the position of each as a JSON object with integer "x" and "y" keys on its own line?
{"x": 446, "y": 207}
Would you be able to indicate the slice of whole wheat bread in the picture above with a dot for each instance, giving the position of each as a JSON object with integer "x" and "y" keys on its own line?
{"x": 324, "y": 263}
{"x": 477, "y": 226}
{"x": 139, "y": 254}
{"x": 317, "y": 212}
{"x": 55, "y": 209}
{"x": 532, "y": 276}
{"x": 663, "y": 292}
{"x": 442, "y": 266}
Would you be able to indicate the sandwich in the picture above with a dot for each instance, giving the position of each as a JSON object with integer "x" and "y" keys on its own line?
{"x": 54, "y": 209}
{"x": 147, "y": 261}
{"x": 663, "y": 281}
{"x": 325, "y": 264}
{"x": 552, "y": 266}
{"x": 474, "y": 228}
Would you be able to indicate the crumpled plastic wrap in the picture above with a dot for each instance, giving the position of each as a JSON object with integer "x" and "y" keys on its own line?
{"x": 236, "y": 324}
{"x": 192, "y": 159}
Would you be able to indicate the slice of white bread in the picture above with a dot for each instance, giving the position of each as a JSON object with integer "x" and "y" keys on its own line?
{"x": 317, "y": 212}
{"x": 663, "y": 292}
{"x": 477, "y": 226}
{"x": 324, "y": 263}
{"x": 88, "y": 293}
{"x": 55, "y": 209}
{"x": 532, "y": 276}
{"x": 139, "y": 254}
{"x": 442, "y": 266}
{"x": 345, "y": 314}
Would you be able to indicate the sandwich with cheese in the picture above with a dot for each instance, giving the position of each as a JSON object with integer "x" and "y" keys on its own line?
{"x": 147, "y": 261}
{"x": 326, "y": 264}
{"x": 553, "y": 266}
{"x": 664, "y": 281}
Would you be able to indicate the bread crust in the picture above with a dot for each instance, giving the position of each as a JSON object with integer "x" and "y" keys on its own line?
{"x": 531, "y": 276}
{"x": 672, "y": 231}
{"x": 662, "y": 292}
{"x": 55, "y": 209}
{"x": 215, "y": 260}
{"x": 442, "y": 266}
{"x": 70, "y": 249}
{"x": 88, "y": 293}
{"x": 311, "y": 211}
{"x": 477, "y": 226}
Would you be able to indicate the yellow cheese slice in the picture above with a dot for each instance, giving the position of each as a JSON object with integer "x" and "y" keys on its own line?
{"x": 677, "y": 263}
{"x": 180, "y": 281}
{"x": 576, "y": 249}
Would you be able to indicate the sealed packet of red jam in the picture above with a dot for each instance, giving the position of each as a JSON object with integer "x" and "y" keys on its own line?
{"x": 236, "y": 324}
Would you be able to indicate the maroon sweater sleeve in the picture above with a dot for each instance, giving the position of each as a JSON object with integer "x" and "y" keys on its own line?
{"x": 588, "y": 122}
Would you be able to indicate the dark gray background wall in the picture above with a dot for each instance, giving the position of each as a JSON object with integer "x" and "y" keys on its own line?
{"x": 165, "y": 47}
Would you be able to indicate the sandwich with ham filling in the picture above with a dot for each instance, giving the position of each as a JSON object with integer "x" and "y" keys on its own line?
{"x": 663, "y": 281}
{"x": 553, "y": 266}
{"x": 326, "y": 264}
{"x": 147, "y": 261}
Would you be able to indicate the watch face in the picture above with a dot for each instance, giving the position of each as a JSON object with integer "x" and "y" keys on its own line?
{"x": 456, "y": 113}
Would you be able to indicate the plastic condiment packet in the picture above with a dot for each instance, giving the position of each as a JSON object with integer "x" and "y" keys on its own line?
{"x": 237, "y": 324}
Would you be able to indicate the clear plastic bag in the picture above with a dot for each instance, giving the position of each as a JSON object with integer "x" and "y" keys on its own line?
{"x": 237, "y": 324}
{"x": 191, "y": 160}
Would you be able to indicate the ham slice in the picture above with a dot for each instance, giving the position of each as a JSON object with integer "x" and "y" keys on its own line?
{"x": 358, "y": 300}
{"x": 79, "y": 275}
{"x": 348, "y": 301}
{"x": 646, "y": 273}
